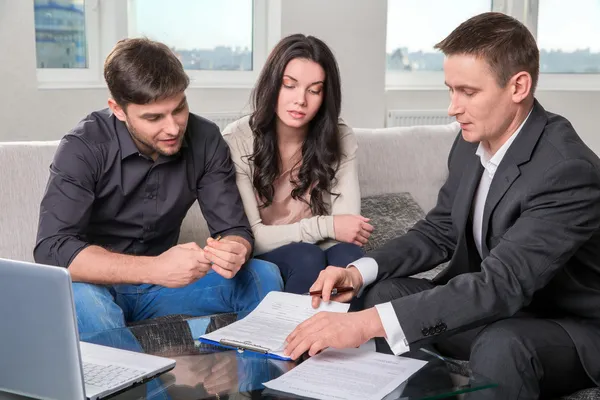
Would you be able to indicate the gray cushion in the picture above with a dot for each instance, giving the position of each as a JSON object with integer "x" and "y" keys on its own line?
{"x": 586, "y": 394}
{"x": 391, "y": 214}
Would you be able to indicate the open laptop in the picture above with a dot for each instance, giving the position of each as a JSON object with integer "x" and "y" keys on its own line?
{"x": 40, "y": 352}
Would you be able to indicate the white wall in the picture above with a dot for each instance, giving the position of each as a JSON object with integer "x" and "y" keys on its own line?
{"x": 354, "y": 29}
{"x": 581, "y": 108}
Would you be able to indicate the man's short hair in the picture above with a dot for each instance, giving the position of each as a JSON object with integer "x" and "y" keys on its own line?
{"x": 141, "y": 71}
{"x": 503, "y": 42}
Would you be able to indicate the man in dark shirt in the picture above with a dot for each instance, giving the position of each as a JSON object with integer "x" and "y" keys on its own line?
{"x": 121, "y": 183}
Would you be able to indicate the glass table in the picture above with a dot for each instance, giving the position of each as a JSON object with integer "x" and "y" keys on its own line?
{"x": 209, "y": 372}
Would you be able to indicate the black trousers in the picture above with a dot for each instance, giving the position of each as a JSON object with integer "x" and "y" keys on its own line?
{"x": 529, "y": 357}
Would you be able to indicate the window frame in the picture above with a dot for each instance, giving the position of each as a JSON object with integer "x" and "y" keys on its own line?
{"x": 48, "y": 76}
{"x": 525, "y": 11}
{"x": 108, "y": 22}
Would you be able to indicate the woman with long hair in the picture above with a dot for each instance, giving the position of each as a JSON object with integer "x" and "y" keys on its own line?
{"x": 296, "y": 165}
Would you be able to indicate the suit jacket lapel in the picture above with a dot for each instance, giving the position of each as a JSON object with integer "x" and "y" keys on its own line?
{"x": 508, "y": 171}
{"x": 466, "y": 192}
{"x": 504, "y": 177}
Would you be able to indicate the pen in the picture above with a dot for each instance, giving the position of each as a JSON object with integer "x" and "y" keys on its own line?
{"x": 217, "y": 239}
{"x": 334, "y": 291}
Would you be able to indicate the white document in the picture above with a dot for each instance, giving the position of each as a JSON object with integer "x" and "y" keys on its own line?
{"x": 347, "y": 374}
{"x": 270, "y": 323}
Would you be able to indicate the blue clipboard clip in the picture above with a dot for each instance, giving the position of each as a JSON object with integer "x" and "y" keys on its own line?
{"x": 242, "y": 346}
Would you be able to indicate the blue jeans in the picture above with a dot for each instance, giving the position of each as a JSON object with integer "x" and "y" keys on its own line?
{"x": 300, "y": 263}
{"x": 100, "y": 308}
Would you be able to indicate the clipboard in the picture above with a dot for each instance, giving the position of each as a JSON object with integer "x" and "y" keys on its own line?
{"x": 241, "y": 347}
{"x": 281, "y": 311}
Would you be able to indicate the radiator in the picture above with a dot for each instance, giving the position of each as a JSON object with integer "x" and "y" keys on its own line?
{"x": 417, "y": 117}
{"x": 222, "y": 119}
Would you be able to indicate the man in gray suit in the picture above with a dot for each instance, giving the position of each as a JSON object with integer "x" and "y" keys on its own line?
{"x": 519, "y": 220}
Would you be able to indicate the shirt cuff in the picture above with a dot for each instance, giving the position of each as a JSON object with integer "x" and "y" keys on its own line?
{"x": 368, "y": 269}
{"x": 240, "y": 232}
{"x": 393, "y": 331}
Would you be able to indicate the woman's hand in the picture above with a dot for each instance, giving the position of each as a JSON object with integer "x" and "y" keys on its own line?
{"x": 352, "y": 229}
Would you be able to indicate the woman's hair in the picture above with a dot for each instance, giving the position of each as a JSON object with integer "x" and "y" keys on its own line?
{"x": 321, "y": 150}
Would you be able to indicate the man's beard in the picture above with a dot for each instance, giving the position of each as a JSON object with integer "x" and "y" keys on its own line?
{"x": 149, "y": 147}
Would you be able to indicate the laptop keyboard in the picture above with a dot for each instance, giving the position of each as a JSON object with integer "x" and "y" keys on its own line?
{"x": 108, "y": 375}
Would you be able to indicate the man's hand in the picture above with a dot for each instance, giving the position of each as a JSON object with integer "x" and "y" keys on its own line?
{"x": 217, "y": 372}
{"x": 227, "y": 255}
{"x": 179, "y": 266}
{"x": 331, "y": 277}
{"x": 352, "y": 229}
{"x": 223, "y": 377}
{"x": 332, "y": 329}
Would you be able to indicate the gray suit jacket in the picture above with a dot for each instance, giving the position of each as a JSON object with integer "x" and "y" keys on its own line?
{"x": 541, "y": 241}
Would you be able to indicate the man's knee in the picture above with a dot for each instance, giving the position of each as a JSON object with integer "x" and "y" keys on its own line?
{"x": 379, "y": 293}
{"x": 96, "y": 308}
{"x": 501, "y": 345}
{"x": 392, "y": 289}
{"x": 266, "y": 276}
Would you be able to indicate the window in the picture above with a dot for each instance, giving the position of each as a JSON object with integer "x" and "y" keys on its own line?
{"x": 566, "y": 32}
{"x": 205, "y": 34}
{"x": 413, "y": 29}
{"x": 219, "y": 42}
{"x": 60, "y": 40}
{"x": 568, "y": 35}
{"x": 66, "y": 41}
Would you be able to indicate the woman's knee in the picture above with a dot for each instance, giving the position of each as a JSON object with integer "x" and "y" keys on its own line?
{"x": 307, "y": 258}
{"x": 96, "y": 308}
{"x": 299, "y": 263}
{"x": 343, "y": 254}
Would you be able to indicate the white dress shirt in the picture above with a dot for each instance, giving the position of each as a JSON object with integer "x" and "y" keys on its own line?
{"x": 368, "y": 267}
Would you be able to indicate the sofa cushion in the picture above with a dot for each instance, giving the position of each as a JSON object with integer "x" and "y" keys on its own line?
{"x": 586, "y": 394}
{"x": 410, "y": 159}
{"x": 391, "y": 215}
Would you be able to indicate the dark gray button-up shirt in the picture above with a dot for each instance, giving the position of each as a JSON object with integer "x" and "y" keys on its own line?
{"x": 102, "y": 191}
